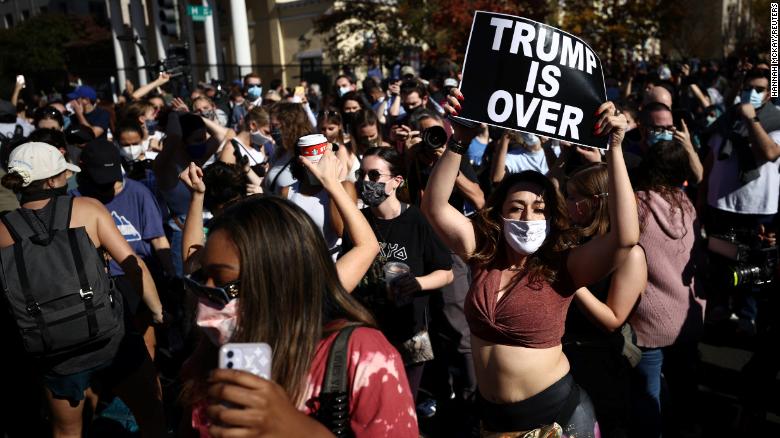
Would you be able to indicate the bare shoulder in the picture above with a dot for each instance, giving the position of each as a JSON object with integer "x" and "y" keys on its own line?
{"x": 86, "y": 211}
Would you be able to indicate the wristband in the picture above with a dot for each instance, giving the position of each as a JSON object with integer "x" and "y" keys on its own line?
{"x": 456, "y": 146}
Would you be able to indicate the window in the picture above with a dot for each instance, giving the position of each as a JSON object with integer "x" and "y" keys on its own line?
{"x": 25, "y": 15}
{"x": 8, "y": 21}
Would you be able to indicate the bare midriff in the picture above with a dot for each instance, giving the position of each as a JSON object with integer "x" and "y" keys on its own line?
{"x": 507, "y": 374}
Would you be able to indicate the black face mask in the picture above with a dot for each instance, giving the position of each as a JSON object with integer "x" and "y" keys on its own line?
{"x": 38, "y": 195}
{"x": 276, "y": 134}
{"x": 102, "y": 192}
{"x": 372, "y": 193}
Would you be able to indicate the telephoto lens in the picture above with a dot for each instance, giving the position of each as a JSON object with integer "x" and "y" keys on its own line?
{"x": 434, "y": 137}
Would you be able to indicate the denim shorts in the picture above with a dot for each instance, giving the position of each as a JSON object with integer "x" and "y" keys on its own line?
{"x": 128, "y": 359}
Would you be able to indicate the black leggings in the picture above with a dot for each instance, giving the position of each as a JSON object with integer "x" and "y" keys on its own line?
{"x": 563, "y": 402}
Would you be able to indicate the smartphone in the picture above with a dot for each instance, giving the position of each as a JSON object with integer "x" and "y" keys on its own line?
{"x": 254, "y": 357}
{"x": 299, "y": 91}
{"x": 679, "y": 115}
{"x": 20, "y": 80}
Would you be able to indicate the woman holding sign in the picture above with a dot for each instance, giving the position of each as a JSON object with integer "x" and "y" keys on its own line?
{"x": 526, "y": 268}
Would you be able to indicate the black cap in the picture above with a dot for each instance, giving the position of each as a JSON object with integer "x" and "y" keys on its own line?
{"x": 100, "y": 161}
{"x": 78, "y": 134}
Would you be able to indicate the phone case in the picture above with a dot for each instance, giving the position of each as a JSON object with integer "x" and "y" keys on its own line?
{"x": 251, "y": 357}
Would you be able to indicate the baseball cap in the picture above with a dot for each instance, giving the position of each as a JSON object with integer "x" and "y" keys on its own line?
{"x": 450, "y": 82}
{"x": 407, "y": 70}
{"x": 101, "y": 161}
{"x": 83, "y": 91}
{"x": 34, "y": 161}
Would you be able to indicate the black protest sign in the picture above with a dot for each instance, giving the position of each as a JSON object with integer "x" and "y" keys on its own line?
{"x": 527, "y": 76}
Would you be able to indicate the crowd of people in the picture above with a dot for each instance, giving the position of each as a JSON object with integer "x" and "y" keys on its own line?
{"x": 477, "y": 281}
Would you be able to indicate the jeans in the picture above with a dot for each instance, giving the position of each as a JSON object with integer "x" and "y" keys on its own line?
{"x": 664, "y": 389}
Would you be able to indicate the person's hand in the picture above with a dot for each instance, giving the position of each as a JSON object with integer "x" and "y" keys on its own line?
{"x": 178, "y": 105}
{"x": 327, "y": 171}
{"x": 747, "y": 111}
{"x": 403, "y": 288}
{"x": 77, "y": 108}
{"x": 254, "y": 189}
{"x": 400, "y": 132}
{"x": 412, "y": 139}
{"x": 685, "y": 70}
{"x": 766, "y": 236}
{"x": 394, "y": 88}
{"x": 453, "y": 107}
{"x": 129, "y": 87}
{"x": 155, "y": 144}
{"x": 611, "y": 122}
{"x": 591, "y": 155}
{"x": 242, "y": 404}
{"x": 192, "y": 177}
{"x": 159, "y": 318}
{"x": 683, "y": 136}
{"x": 163, "y": 78}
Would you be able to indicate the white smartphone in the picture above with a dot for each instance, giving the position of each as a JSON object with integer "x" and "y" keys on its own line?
{"x": 251, "y": 357}
{"x": 20, "y": 80}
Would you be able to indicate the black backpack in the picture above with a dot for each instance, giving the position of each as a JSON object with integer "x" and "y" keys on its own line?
{"x": 333, "y": 400}
{"x": 58, "y": 291}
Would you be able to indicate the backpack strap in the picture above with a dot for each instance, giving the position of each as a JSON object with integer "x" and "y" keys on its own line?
{"x": 62, "y": 212}
{"x": 86, "y": 290}
{"x": 32, "y": 306}
{"x": 334, "y": 395}
{"x": 24, "y": 224}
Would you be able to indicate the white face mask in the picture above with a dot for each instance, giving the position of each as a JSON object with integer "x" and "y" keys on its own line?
{"x": 525, "y": 237}
{"x": 132, "y": 152}
{"x": 344, "y": 90}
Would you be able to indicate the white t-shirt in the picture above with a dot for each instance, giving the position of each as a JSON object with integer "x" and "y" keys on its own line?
{"x": 727, "y": 193}
{"x": 519, "y": 159}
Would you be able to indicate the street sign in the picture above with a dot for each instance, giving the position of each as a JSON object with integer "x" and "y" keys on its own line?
{"x": 198, "y": 13}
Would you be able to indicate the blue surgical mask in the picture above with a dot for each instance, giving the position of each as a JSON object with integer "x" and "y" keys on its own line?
{"x": 254, "y": 92}
{"x": 653, "y": 138}
{"x": 755, "y": 98}
{"x": 276, "y": 134}
{"x": 65, "y": 122}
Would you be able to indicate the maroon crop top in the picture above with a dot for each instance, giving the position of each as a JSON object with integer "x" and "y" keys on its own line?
{"x": 525, "y": 316}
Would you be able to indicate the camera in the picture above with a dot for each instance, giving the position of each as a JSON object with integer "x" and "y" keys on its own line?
{"x": 434, "y": 137}
{"x": 743, "y": 264}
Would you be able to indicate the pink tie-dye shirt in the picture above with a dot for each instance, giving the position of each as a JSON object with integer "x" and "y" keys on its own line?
{"x": 380, "y": 404}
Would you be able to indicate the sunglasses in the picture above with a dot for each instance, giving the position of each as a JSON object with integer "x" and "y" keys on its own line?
{"x": 373, "y": 175}
{"x": 221, "y": 295}
{"x": 758, "y": 89}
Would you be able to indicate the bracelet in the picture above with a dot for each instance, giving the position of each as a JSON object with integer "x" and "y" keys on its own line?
{"x": 456, "y": 146}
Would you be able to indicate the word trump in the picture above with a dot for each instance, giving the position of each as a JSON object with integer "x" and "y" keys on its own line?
{"x": 570, "y": 53}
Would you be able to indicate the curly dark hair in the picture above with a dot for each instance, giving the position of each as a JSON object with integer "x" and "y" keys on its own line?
{"x": 544, "y": 264}
{"x": 664, "y": 169}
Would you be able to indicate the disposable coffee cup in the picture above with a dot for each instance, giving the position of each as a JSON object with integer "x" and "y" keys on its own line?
{"x": 312, "y": 147}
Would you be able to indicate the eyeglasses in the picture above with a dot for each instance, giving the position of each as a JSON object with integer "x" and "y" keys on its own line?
{"x": 758, "y": 89}
{"x": 373, "y": 175}
{"x": 221, "y": 295}
{"x": 657, "y": 130}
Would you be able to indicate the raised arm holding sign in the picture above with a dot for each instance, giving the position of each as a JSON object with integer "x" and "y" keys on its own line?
{"x": 527, "y": 76}
{"x": 520, "y": 246}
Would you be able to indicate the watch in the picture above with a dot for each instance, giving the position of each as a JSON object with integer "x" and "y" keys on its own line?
{"x": 457, "y": 146}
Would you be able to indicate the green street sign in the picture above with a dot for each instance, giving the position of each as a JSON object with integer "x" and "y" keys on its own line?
{"x": 198, "y": 13}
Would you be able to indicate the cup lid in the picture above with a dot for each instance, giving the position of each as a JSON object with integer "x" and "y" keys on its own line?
{"x": 311, "y": 140}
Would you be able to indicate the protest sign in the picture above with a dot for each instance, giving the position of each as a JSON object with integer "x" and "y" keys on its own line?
{"x": 528, "y": 76}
